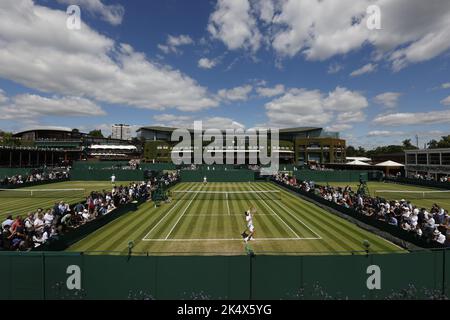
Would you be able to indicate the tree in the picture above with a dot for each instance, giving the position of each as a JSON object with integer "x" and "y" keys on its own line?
{"x": 433, "y": 144}
{"x": 351, "y": 151}
{"x": 97, "y": 133}
{"x": 443, "y": 143}
{"x": 407, "y": 145}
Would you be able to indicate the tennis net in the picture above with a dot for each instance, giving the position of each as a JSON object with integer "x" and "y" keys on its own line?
{"x": 42, "y": 193}
{"x": 226, "y": 195}
{"x": 408, "y": 194}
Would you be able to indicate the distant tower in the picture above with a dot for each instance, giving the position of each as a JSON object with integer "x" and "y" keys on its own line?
{"x": 417, "y": 141}
{"x": 121, "y": 131}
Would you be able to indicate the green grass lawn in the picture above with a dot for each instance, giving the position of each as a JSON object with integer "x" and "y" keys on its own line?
{"x": 442, "y": 200}
{"x": 17, "y": 205}
{"x": 286, "y": 225}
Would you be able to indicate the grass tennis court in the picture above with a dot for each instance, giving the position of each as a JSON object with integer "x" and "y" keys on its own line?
{"x": 284, "y": 224}
{"x": 16, "y": 205}
{"x": 443, "y": 201}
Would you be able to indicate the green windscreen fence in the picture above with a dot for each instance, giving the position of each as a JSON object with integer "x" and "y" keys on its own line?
{"x": 83, "y": 276}
{"x": 105, "y": 165}
{"x": 241, "y": 175}
{"x": 9, "y": 172}
{"x": 105, "y": 175}
{"x": 331, "y": 176}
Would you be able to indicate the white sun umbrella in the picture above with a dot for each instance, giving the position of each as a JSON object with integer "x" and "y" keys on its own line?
{"x": 389, "y": 163}
{"x": 358, "y": 163}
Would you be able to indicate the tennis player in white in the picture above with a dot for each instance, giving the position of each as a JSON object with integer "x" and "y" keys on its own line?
{"x": 250, "y": 226}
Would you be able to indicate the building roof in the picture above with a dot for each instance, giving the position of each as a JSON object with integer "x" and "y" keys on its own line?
{"x": 45, "y": 129}
{"x": 428, "y": 150}
{"x": 358, "y": 163}
{"x": 389, "y": 163}
{"x": 363, "y": 159}
{"x": 285, "y": 130}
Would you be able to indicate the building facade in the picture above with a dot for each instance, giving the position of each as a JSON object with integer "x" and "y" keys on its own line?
{"x": 296, "y": 145}
{"x": 53, "y": 146}
{"x": 433, "y": 163}
{"x": 121, "y": 132}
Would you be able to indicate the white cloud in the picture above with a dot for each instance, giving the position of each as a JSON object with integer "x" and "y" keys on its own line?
{"x": 412, "y": 30}
{"x": 446, "y": 101}
{"x": 266, "y": 10}
{"x": 368, "y": 68}
{"x": 334, "y": 68}
{"x": 235, "y": 94}
{"x": 3, "y": 97}
{"x": 270, "y": 92}
{"x": 432, "y": 117}
{"x": 339, "y": 127}
{"x": 181, "y": 121}
{"x": 388, "y": 99}
{"x": 384, "y": 133}
{"x": 221, "y": 123}
{"x": 301, "y": 107}
{"x": 206, "y": 63}
{"x": 86, "y": 63}
{"x": 233, "y": 24}
{"x": 31, "y": 106}
{"x": 112, "y": 14}
{"x": 173, "y": 42}
{"x": 344, "y": 100}
{"x": 355, "y": 116}
{"x": 446, "y": 85}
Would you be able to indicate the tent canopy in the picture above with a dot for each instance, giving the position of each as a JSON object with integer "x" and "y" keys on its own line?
{"x": 358, "y": 163}
{"x": 389, "y": 163}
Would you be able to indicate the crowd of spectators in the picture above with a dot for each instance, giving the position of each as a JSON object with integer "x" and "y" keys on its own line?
{"x": 430, "y": 177}
{"x": 23, "y": 233}
{"x": 318, "y": 167}
{"x": 430, "y": 225}
{"x": 34, "y": 177}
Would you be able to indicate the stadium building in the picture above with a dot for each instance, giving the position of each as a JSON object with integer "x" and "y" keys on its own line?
{"x": 427, "y": 162}
{"x": 52, "y": 146}
{"x": 297, "y": 145}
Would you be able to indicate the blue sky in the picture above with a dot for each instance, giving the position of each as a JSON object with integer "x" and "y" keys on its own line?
{"x": 230, "y": 63}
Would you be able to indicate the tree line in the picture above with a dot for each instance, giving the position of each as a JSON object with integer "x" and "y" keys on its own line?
{"x": 352, "y": 151}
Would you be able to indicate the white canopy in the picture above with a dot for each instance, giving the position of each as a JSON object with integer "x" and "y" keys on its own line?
{"x": 363, "y": 159}
{"x": 358, "y": 163}
{"x": 389, "y": 163}
{"x": 112, "y": 147}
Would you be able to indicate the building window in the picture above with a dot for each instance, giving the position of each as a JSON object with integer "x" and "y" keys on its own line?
{"x": 411, "y": 158}
{"x": 422, "y": 158}
{"x": 435, "y": 158}
{"x": 446, "y": 159}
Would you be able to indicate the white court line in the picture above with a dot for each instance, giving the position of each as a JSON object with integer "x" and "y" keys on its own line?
{"x": 296, "y": 218}
{"x": 230, "y": 239}
{"x": 298, "y": 237}
{"x": 228, "y": 206}
{"x": 222, "y": 214}
{"x": 167, "y": 213}
{"x": 182, "y": 214}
